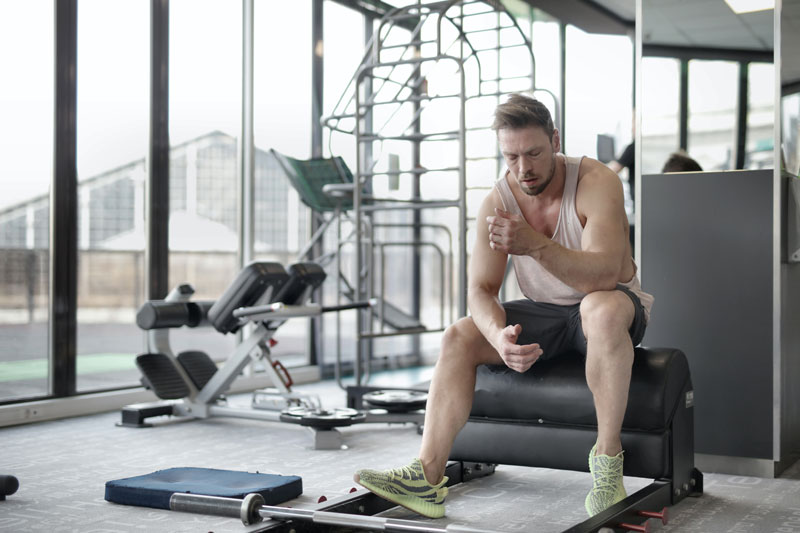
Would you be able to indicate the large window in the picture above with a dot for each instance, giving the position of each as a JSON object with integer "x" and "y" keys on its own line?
{"x": 205, "y": 73}
{"x": 343, "y": 52}
{"x": 790, "y": 120}
{"x": 712, "y": 113}
{"x": 113, "y": 73}
{"x": 760, "y": 116}
{"x": 26, "y": 150}
{"x": 660, "y": 111}
{"x": 593, "y": 108}
{"x": 282, "y": 122}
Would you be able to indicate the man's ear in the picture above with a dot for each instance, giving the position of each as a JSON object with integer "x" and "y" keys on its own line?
{"x": 556, "y": 141}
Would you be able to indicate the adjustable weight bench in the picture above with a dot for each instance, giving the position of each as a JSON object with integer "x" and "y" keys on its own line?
{"x": 190, "y": 384}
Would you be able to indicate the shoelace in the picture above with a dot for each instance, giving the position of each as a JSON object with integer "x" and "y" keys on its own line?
{"x": 606, "y": 479}
{"x": 406, "y": 472}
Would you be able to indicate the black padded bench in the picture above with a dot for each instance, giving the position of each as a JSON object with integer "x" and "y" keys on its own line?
{"x": 545, "y": 418}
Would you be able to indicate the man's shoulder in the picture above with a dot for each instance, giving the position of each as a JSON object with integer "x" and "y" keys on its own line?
{"x": 594, "y": 170}
{"x": 596, "y": 179}
{"x": 492, "y": 199}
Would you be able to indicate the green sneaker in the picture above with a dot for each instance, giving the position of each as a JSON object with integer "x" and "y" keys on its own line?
{"x": 607, "y": 487}
{"x": 406, "y": 486}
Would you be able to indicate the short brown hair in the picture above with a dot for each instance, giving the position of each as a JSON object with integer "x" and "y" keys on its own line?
{"x": 521, "y": 111}
{"x": 681, "y": 162}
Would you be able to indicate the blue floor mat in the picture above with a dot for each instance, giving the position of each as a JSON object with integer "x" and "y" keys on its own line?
{"x": 155, "y": 489}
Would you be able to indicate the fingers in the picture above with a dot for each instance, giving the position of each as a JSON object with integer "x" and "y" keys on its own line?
{"x": 511, "y": 332}
{"x": 522, "y": 363}
{"x": 518, "y": 357}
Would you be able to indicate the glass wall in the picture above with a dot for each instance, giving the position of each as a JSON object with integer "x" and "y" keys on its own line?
{"x": 790, "y": 124}
{"x": 26, "y": 150}
{"x": 343, "y": 51}
{"x": 205, "y": 73}
{"x": 760, "y": 116}
{"x": 112, "y": 122}
{"x": 282, "y": 122}
{"x": 607, "y": 108}
{"x": 661, "y": 102}
{"x": 713, "y": 87}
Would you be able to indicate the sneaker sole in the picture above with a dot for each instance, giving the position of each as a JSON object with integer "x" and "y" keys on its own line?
{"x": 412, "y": 503}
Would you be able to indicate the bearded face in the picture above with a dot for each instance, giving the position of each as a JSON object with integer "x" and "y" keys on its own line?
{"x": 530, "y": 156}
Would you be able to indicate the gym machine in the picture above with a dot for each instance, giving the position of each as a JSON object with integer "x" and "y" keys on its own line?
{"x": 263, "y": 295}
{"x": 543, "y": 418}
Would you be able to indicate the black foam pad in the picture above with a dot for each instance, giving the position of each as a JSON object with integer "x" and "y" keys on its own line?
{"x": 301, "y": 277}
{"x": 162, "y": 376}
{"x": 200, "y": 367}
{"x": 248, "y": 287}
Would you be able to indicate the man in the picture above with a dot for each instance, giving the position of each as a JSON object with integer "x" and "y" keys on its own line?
{"x": 563, "y": 222}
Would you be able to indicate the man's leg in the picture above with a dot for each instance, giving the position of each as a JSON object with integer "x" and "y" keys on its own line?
{"x": 420, "y": 486}
{"x": 450, "y": 395}
{"x": 606, "y": 318}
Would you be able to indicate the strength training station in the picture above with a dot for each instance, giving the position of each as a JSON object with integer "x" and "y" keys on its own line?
{"x": 400, "y": 265}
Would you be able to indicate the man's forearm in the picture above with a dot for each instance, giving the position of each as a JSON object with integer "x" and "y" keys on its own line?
{"x": 582, "y": 270}
{"x": 487, "y": 313}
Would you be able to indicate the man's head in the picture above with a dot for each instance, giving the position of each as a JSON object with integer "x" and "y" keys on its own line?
{"x": 519, "y": 112}
{"x": 681, "y": 162}
{"x": 528, "y": 141}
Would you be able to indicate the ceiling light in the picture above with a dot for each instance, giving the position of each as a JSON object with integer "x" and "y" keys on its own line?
{"x": 748, "y": 6}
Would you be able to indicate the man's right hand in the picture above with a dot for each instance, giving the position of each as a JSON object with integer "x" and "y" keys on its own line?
{"x": 517, "y": 357}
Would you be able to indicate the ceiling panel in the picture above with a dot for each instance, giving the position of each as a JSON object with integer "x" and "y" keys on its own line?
{"x": 708, "y": 23}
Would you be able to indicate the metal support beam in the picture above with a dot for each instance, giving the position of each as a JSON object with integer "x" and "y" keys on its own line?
{"x": 317, "y": 71}
{"x": 157, "y": 203}
{"x": 741, "y": 115}
{"x": 64, "y": 206}
{"x": 316, "y": 332}
{"x": 698, "y": 52}
{"x": 683, "y": 107}
{"x": 562, "y": 37}
{"x": 247, "y": 159}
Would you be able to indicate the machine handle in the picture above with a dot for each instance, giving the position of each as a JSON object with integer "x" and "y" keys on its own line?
{"x": 283, "y": 374}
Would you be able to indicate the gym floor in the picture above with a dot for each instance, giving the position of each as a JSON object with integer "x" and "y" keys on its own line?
{"x": 62, "y": 467}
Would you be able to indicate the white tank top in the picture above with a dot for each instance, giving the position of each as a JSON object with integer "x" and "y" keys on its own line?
{"x": 534, "y": 280}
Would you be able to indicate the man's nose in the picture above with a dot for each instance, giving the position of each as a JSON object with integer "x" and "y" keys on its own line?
{"x": 524, "y": 165}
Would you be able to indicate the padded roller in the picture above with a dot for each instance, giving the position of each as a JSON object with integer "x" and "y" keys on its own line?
{"x": 301, "y": 277}
{"x": 248, "y": 287}
{"x": 162, "y": 376}
{"x": 200, "y": 367}
{"x": 157, "y": 314}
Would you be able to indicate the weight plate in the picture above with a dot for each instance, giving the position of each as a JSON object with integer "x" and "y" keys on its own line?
{"x": 322, "y": 418}
{"x": 397, "y": 401}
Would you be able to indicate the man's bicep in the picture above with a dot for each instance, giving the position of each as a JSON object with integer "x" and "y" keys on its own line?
{"x": 487, "y": 267}
{"x": 603, "y": 206}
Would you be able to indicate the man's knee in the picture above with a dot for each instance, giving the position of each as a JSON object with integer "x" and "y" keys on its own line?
{"x": 606, "y": 313}
{"x": 463, "y": 339}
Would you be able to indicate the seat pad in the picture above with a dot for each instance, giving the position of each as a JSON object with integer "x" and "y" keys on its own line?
{"x": 556, "y": 392}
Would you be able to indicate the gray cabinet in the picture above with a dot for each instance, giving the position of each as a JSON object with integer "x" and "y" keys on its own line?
{"x": 713, "y": 255}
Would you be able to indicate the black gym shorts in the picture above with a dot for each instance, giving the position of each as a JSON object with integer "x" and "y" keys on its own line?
{"x": 557, "y": 328}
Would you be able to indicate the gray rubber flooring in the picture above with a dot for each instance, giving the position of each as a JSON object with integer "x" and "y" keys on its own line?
{"x": 63, "y": 466}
